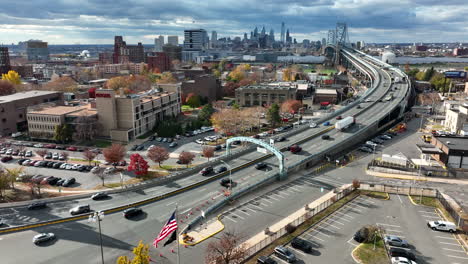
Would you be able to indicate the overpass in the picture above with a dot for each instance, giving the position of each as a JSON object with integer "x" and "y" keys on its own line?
{"x": 192, "y": 189}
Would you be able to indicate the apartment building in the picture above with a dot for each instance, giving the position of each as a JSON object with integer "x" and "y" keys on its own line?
{"x": 265, "y": 94}
{"x": 456, "y": 117}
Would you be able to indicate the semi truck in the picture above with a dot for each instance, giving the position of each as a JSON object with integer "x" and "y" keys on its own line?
{"x": 344, "y": 123}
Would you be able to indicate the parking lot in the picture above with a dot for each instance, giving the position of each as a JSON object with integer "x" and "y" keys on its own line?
{"x": 397, "y": 216}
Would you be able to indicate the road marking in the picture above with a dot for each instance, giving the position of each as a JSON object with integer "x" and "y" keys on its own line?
{"x": 266, "y": 200}
{"x": 295, "y": 186}
{"x": 456, "y": 257}
{"x": 349, "y": 241}
{"x": 429, "y": 212}
{"x": 319, "y": 232}
{"x": 273, "y": 198}
{"x": 388, "y": 225}
{"x": 335, "y": 221}
{"x": 453, "y": 244}
{"x": 246, "y": 207}
{"x": 399, "y": 198}
{"x": 328, "y": 179}
{"x": 387, "y": 234}
{"x": 451, "y": 238}
{"x": 202, "y": 190}
{"x": 170, "y": 203}
{"x": 297, "y": 251}
{"x": 237, "y": 215}
{"x": 352, "y": 208}
{"x": 359, "y": 205}
{"x": 333, "y": 226}
{"x": 431, "y": 217}
{"x": 454, "y": 250}
{"x": 278, "y": 195}
{"x": 352, "y": 217}
{"x": 256, "y": 205}
{"x": 314, "y": 237}
{"x": 186, "y": 211}
{"x": 277, "y": 258}
{"x": 392, "y": 230}
{"x": 230, "y": 219}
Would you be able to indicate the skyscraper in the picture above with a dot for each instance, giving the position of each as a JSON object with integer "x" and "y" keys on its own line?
{"x": 288, "y": 38}
{"x": 195, "y": 41}
{"x": 158, "y": 43}
{"x": 214, "y": 38}
{"x": 173, "y": 40}
{"x": 4, "y": 60}
{"x": 282, "y": 32}
{"x": 36, "y": 50}
{"x": 272, "y": 36}
{"x": 255, "y": 32}
{"x": 263, "y": 31}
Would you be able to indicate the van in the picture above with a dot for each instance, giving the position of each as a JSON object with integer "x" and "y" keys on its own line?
{"x": 285, "y": 254}
{"x": 442, "y": 226}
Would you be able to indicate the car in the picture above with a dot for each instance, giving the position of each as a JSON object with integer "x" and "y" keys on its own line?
{"x": 61, "y": 157}
{"x": 358, "y": 106}
{"x": 60, "y": 147}
{"x": 256, "y": 136}
{"x": 368, "y": 100}
{"x": 81, "y": 168}
{"x": 170, "y": 140}
{"x": 377, "y": 140}
{"x": 38, "y": 145}
{"x": 370, "y": 143}
{"x": 367, "y": 146}
{"x": 151, "y": 138}
{"x": 164, "y": 140}
{"x": 2, "y": 222}
{"x": 280, "y": 139}
{"x": 263, "y": 134}
{"x": 50, "y": 146}
{"x": 365, "y": 149}
{"x": 285, "y": 254}
{"x": 57, "y": 165}
{"x": 207, "y": 170}
{"x": 392, "y": 134}
{"x": 15, "y": 152}
{"x": 134, "y": 147}
{"x": 55, "y": 181}
{"x": 220, "y": 169}
{"x": 9, "y": 152}
{"x": 384, "y": 137}
{"x": 159, "y": 139}
{"x": 48, "y": 155}
{"x": 401, "y": 260}
{"x": 339, "y": 117}
{"x": 28, "y": 154}
{"x": 140, "y": 147}
{"x": 60, "y": 182}
{"x": 69, "y": 167}
{"x": 260, "y": 165}
{"x": 326, "y": 123}
{"x": 401, "y": 252}
{"x": 200, "y": 141}
{"x": 122, "y": 163}
{"x": 237, "y": 142}
{"x": 313, "y": 125}
{"x": 43, "y": 237}
{"x": 63, "y": 166}
{"x": 68, "y": 182}
{"x": 266, "y": 260}
{"x": 130, "y": 212}
{"x": 325, "y": 137}
{"x": 50, "y": 164}
{"x": 37, "y": 163}
{"x": 37, "y": 205}
{"x": 359, "y": 236}
{"x": 99, "y": 195}
{"x": 95, "y": 169}
{"x": 109, "y": 170}
{"x": 51, "y": 179}
{"x": 396, "y": 241}
{"x": 20, "y": 161}
{"x": 72, "y": 149}
{"x": 295, "y": 149}
{"x": 80, "y": 209}
{"x": 55, "y": 156}
{"x": 6, "y": 158}
{"x": 26, "y": 162}
{"x": 226, "y": 182}
{"x": 301, "y": 244}
{"x": 442, "y": 226}
{"x": 279, "y": 129}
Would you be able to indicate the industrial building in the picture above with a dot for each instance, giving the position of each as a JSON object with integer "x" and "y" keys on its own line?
{"x": 265, "y": 94}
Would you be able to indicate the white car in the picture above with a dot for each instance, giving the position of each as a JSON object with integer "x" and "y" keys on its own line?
{"x": 109, "y": 170}
{"x": 38, "y": 145}
{"x": 263, "y": 134}
{"x": 442, "y": 226}
{"x": 75, "y": 166}
{"x": 313, "y": 125}
{"x": 43, "y": 237}
{"x": 95, "y": 169}
{"x": 200, "y": 141}
{"x": 28, "y": 154}
{"x": 368, "y": 100}
{"x": 55, "y": 156}
{"x": 63, "y": 166}
{"x": 402, "y": 260}
{"x": 69, "y": 167}
{"x": 370, "y": 143}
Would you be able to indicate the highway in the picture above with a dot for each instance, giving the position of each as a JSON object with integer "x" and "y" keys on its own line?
{"x": 78, "y": 241}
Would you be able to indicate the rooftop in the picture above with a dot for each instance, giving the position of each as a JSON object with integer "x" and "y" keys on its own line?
{"x": 325, "y": 91}
{"x": 59, "y": 110}
{"x": 454, "y": 143}
{"x": 25, "y": 95}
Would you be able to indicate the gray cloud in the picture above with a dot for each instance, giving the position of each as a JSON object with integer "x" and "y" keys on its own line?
{"x": 97, "y": 21}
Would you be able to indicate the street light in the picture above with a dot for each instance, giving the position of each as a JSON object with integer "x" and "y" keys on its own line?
{"x": 97, "y": 217}
{"x": 230, "y": 174}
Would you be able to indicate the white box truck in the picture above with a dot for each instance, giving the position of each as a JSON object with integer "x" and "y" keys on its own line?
{"x": 344, "y": 123}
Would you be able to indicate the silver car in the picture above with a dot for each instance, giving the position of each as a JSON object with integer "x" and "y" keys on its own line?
{"x": 396, "y": 241}
{"x": 43, "y": 237}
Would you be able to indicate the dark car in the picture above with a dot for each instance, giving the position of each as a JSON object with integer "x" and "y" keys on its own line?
{"x": 295, "y": 149}
{"x": 99, "y": 195}
{"x": 140, "y": 147}
{"x": 80, "y": 209}
{"x": 50, "y": 164}
{"x": 130, "y": 212}
{"x": 280, "y": 139}
{"x": 151, "y": 138}
{"x": 301, "y": 244}
{"x": 122, "y": 163}
{"x": 38, "y": 205}
{"x": 285, "y": 254}
{"x": 226, "y": 182}
{"x": 68, "y": 182}
{"x": 266, "y": 260}
{"x": 256, "y": 136}
{"x": 237, "y": 142}
{"x": 60, "y": 147}
{"x": 21, "y": 161}
{"x": 134, "y": 147}
{"x": 57, "y": 165}
{"x": 60, "y": 182}
{"x": 51, "y": 179}
{"x": 54, "y": 181}
{"x": 221, "y": 169}
{"x": 400, "y": 252}
{"x": 339, "y": 117}
{"x": 206, "y": 171}
{"x": 260, "y": 165}
{"x": 6, "y": 158}
{"x": 325, "y": 137}
{"x": 217, "y": 147}
{"x": 365, "y": 149}
{"x": 48, "y": 155}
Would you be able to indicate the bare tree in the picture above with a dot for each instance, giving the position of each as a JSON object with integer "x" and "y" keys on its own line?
{"x": 208, "y": 152}
{"x": 114, "y": 153}
{"x": 89, "y": 155}
{"x": 86, "y": 128}
{"x": 41, "y": 153}
{"x": 158, "y": 154}
{"x": 186, "y": 157}
{"x": 65, "y": 155}
{"x": 100, "y": 174}
{"x": 226, "y": 250}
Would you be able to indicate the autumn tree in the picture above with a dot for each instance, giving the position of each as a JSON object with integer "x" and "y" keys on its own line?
{"x": 116, "y": 83}
{"x": 229, "y": 88}
{"x": 141, "y": 255}
{"x": 114, "y": 153}
{"x": 63, "y": 133}
{"x": 41, "y": 153}
{"x": 208, "y": 152}
{"x": 273, "y": 115}
{"x": 138, "y": 83}
{"x": 291, "y": 106}
{"x": 166, "y": 77}
{"x": 6, "y": 88}
{"x": 186, "y": 158}
{"x": 158, "y": 154}
{"x": 193, "y": 101}
{"x": 4, "y": 182}
{"x": 65, "y": 155}
{"x": 89, "y": 155}
{"x": 12, "y": 174}
{"x": 12, "y": 77}
{"x": 138, "y": 165}
{"x": 226, "y": 250}
{"x": 62, "y": 84}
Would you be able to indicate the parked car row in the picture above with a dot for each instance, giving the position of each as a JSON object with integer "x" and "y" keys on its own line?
{"x": 15, "y": 152}
{"x": 54, "y": 165}
{"x": 50, "y": 180}
{"x": 198, "y": 131}
{"x": 370, "y": 145}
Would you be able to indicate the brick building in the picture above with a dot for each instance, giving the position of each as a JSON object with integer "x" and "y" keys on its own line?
{"x": 159, "y": 61}
{"x": 124, "y": 53}
{"x": 205, "y": 85}
{"x": 265, "y": 94}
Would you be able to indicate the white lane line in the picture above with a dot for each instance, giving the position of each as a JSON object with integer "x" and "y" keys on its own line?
{"x": 328, "y": 179}
{"x": 333, "y": 226}
{"x": 399, "y": 198}
{"x": 243, "y": 212}
{"x": 352, "y": 208}
{"x": 428, "y": 212}
{"x": 237, "y": 215}
{"x": 456, "y": 257}
{"x": 256, "y": 206}
{"x": 278, "y": 259}
{"x": 296, "y": 187}
{"x": 431, "y": 216}
{"x": 278, "y": 195}
{"x": 343, "y": 214}
{"x": 451, "y": 238}
{"x": 335, "y": 221}
{"x": 388, "y": 225}
{"x": 453, "y": 244}
{"x": 266, "y": 200}
{"x": 168, "y": 204}
{"x": 246, "y": 207}
{"x": 360, "y": 205}
{"x": 454, "y": 250}
{"x": 393, "y": 230}
{"x": 297, "y": 251}
{"x": 271, "y": 197}
{"x": 319, "y": 232}
{"x": 387, "y": 234}
{"x": 315, "y": 237}
{"x": 229, "y": 218}
{"x": 288, "y": 191}
{"x": 186, "y": 211}
{"x": 202, "y": 190}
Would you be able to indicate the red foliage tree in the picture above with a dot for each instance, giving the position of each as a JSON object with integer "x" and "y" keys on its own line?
{"x": 230, "y": 88}
{"x": 114, "y": 153}
{"x": 186, "y": 157}
{"x": 6, "y": 88}
{"x": 41, "y": 153}
{"x": 158, "y": 154}
{"x": 291, "y": 106}
{"x": 208, "y": 152}
{"x": 138, "y": 164}
{"x": 89, "y": 155}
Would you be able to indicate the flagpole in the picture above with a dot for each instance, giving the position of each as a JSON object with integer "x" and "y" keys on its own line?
{"x": 177, "y": 234}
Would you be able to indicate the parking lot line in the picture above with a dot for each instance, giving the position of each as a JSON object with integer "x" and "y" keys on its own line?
{"x": 229, "y": 218}
{"x": 388, "y": 225}
{"x": 387, "y": 234}
{"x": 333, "y": 226}
{"x": 314, "y": 237}
{"x": 456, "y": 257}
{"x": 244, "y": 212}
{"x": 330, "y": 180}
{"x": 431, "y": 217}
{"x": 430, "y": 212}
{"x": 278, "y": 195}
{"x": 296, "y": 187}
{"x": 454, "y": 250}
{"x": 256, "y": 206}
{"x": 335, "y": 221}
{"x": 237, "y": 215}
{"x": 453, "y": 244}
{"x": 246, "y": 207}
{"x": 319, "y": 232}
{"x": 352, "y": 208}
{"x": 359, "y": 205}
{"x": 266, "y": 200}
{"x": 399, "y": 198}
{"x": 273, "y": 198}
{"x": 343, "y": 214}
{"x": 451, "y": 238}
{"x": 296, "y": 251}
{"x": 278, "y": 259}
{"x": 392, "y": 230}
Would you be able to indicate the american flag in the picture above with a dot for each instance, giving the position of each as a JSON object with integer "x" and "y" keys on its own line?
{"x": 167, "y": 229}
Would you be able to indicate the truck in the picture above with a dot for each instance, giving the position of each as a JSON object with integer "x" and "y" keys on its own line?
{"x": 344, "y": 123}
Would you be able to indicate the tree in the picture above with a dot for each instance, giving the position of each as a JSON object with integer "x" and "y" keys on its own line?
{"x": 138, "y": 165}
{"x": 216, "y": 73}
{"x": 138, "y": 83}
{"x": 6, "y": 88}
{"x": 63, "y": 133}
{"x": 273, "y": 115}
{"x": 466, "y": 68}
{"x": 158, "y": 154}
{"x": 86, "y": 128}
{"x": 439, "y": 83}
{"x": 89, "y": 155}
{"x": 226, "y": 250}
{"x": 62, "y": 84}
{"x": 141, "y": 255}
{"x": 41, "y": 153}
{"x": 12, "y": 174}
{"x": 65, "y": 155}
{"x": 206, "y": 112}
{"x": 291, "y": 106}
{"x": 114, "y": 153}
{"x": 208, "y": 152}
{"x": 100, "y": 174}
{"x": 13, "y": 77}
{"x": 428, "y": 74}
{"x": 117, "y": 83}
{"x": 186, "y": 157}
{"x": 166, "y": 77}
{"x": 230, "y": 88}
{"x": 420, "y": 75}
{"x": 194, "y": 101}
{"x": 4, "y": 182}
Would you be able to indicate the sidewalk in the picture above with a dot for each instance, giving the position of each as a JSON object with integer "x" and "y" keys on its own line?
{"x": 415, "y": 178}
{"x": 207, "y": 230}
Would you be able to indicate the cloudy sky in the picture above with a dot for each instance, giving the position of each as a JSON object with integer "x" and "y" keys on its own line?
{"x": 97, "y": 21}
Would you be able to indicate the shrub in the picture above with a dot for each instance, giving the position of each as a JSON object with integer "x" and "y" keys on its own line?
{"x": 290, "y": 228}
{"x": 356, "y": 184}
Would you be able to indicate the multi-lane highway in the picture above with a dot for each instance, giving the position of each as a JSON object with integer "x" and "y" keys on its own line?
{"x": 78, "y": 241}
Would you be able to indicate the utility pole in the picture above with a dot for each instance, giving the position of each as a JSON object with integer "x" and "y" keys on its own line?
{"x": 97, "y": 217}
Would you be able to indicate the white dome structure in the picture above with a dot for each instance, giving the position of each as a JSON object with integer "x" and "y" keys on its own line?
{"x": 85, "y": 53}
{"x": 388, "y": 57}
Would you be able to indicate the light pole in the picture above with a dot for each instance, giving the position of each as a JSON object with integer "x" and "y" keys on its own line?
{"x": 459, "y": 218}
{"x": 97, "y": 217}
{"x": 230, "y": 174}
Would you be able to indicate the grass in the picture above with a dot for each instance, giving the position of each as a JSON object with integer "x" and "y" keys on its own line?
{"x": 186, "y": 108}
{"x": 173, "y": 167}
{"x": 101, "y": 143}
{"x": 367, "y": 255}
{"x": 83, "y": 160}
{"x": 302, "y": 228}
{"x": 432, "y": 202}
{"x": 377, "y": 195}
{"x": 146, "y": 135}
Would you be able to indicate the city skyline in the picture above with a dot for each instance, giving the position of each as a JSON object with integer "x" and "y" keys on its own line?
{"x": 96, "y": 22}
